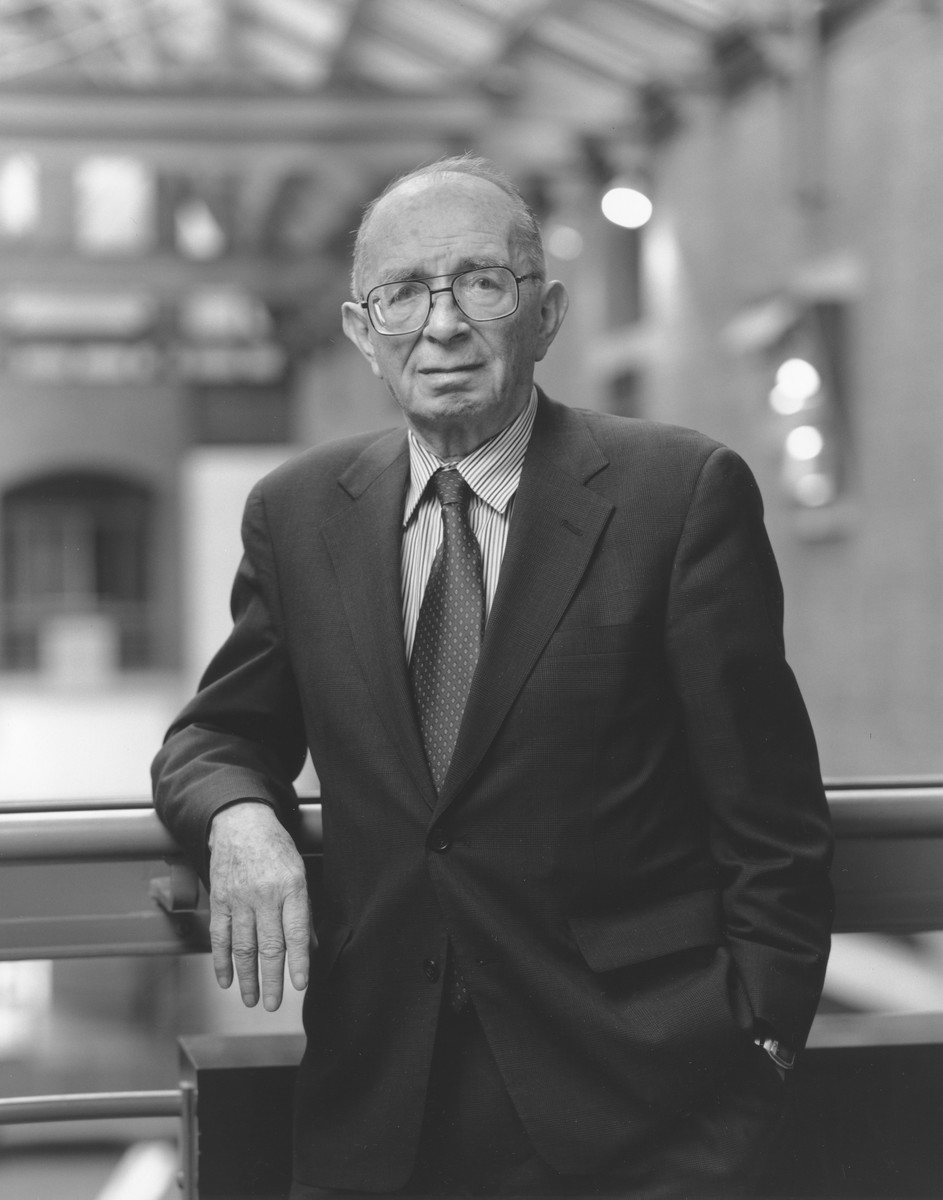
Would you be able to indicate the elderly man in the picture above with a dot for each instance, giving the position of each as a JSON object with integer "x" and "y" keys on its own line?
{"x": 574, "y": 914}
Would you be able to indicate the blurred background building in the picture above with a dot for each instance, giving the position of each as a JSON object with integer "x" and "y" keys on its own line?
{"x": 179, "y": 183}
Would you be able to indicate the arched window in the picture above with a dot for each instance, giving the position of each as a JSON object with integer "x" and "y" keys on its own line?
{"x": 75, "y": 574}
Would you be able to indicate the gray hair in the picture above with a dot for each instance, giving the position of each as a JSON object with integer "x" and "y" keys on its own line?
{"x": 525, "y": 219}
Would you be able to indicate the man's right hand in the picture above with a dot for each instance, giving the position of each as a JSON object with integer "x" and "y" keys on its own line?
{"x": 259, "y": 910}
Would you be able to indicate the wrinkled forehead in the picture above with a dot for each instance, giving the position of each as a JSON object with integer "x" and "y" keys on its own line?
{"x": 445, "y": 190}
{"x": 433, "y": 216}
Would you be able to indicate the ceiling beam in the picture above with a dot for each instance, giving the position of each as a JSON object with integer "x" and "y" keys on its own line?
{"x": 238, "y": 118}
{"x": 689, "y": 20}
{"x": 346, "y": 161}
{"x": 354, "y": 17}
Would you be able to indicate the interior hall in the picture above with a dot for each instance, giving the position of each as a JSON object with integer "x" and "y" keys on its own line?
{"x": 743, "y": 199}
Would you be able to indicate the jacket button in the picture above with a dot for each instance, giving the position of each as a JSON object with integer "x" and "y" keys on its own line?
{"x": 430, "y": 968}
{"x": 441, "y": 841}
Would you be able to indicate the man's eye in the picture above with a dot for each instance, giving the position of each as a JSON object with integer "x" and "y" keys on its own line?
{"x": 482, "y": 283}
{"x": 403, "y": 293}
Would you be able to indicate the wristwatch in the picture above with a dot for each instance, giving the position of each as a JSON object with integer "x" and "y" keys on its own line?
{"x": 779, "y": 1052}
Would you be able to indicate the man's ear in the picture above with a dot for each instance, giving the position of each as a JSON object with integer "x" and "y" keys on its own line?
{"x": 356, "y": 325}
{"x": 553, "y": 306}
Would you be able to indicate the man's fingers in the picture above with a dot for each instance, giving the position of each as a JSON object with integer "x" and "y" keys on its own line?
{"x": 271, "y": 956}
{"x": 296, "y": 921}
{"x": 252, "y": 942}
{"x": 245, "y": 955}
{"x": 259, "y": 902}
{"x": 221, "y": 944}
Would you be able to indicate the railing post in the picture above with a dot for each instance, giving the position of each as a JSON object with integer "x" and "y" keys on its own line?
{"x": 178, "y": 892}
{"x": 188, "y": 1142}
{"x": 243, "y": 1091}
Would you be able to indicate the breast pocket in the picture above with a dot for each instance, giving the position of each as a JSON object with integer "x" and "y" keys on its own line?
{"x": 573, "y": 640}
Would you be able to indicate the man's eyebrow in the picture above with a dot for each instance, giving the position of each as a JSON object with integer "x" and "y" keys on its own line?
{"x": 403, "y": 274}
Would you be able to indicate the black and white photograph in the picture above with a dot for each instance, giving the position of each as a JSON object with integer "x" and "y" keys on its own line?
{"x": 471, "y": 599}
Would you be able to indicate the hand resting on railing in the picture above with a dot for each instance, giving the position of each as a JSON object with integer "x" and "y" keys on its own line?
{"x": 259, "y": 910}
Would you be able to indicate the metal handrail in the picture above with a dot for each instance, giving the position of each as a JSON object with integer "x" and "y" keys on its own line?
{"x": 89, "y": 1106}
{"x": 102, "y": 835}
{"x": 886, "y": 810}
{"x": 130, "y": 829}
{"x": 82, "y": 836}
{"x": 122, "y": 830}
{"x": 74, "y": 804}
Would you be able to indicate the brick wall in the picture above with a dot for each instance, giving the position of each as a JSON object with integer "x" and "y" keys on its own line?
{"x": 865, "y": 604}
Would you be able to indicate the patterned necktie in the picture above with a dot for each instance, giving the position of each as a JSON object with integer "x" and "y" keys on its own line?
{"x": 448, "y": 632}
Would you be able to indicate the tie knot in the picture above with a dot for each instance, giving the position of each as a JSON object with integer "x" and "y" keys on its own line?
{"x": 450, "y": 487}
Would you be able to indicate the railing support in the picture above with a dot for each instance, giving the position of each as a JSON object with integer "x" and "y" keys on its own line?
{"x": 178, "y": 891}
{"x": 94, "y": 1106}
{"x": 187, "y": 1179}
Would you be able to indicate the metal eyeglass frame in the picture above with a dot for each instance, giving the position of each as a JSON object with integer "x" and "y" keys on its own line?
{"x": 518, "y": 280}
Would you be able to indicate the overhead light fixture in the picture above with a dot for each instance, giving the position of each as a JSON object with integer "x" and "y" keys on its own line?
{"x": 814, "y": 490}
{"x": 805, "y": 442}
{"x": 625, "y": 205}
{"x": 797, "y": 384}
{"x": 809, "y": 397}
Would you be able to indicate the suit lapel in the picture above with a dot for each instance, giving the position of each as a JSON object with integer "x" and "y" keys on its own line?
{"x": 364, "y": 543}
{"x": 555, "y": 526}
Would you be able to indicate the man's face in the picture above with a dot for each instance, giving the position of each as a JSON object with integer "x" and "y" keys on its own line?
{"x": 458, "y": 381}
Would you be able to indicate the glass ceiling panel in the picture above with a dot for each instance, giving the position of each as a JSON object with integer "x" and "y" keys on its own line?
{"x": 510, "y": 12}
{"x": 299, "y": 43}
{"x": 322, "y": 23}
{"x": 707, "y": 15}
{"x": 281, "y": 59}
{"x": 380, "y": 62}
{"x": 307, "y": 44}
{"x": 571, "y": 40}
{"x": 451, "y": 31}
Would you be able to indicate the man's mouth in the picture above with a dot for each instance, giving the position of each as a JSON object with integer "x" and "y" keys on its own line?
{"x": 461, "y": 369}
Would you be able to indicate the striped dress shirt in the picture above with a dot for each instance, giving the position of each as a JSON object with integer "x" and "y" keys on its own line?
{"x": 493, "y": 472}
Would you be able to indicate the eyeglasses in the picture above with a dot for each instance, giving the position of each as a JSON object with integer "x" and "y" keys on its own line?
{"x": 484, "y": 294}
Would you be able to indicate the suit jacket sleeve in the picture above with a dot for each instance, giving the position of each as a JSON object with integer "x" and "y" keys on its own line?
{"x": 242, "y": 735}
{"x": 751, "y": 746}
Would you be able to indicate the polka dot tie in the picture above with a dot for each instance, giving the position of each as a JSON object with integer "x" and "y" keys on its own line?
{"x": 445, "y": 649}
{"x": 448, "y": 632}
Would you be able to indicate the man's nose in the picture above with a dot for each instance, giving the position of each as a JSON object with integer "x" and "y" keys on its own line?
{"x": 445, "y": 318}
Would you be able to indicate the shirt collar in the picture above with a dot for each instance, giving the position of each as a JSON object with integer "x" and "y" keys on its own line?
{"x": 493, "y": 471}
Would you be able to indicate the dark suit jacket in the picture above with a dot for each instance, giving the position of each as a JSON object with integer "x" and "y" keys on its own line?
{"x": 630, "y": 852}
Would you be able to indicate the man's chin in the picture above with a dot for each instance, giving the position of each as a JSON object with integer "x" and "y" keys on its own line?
{"x": 451, "y": 403}
{"x": 454, "y": 424}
